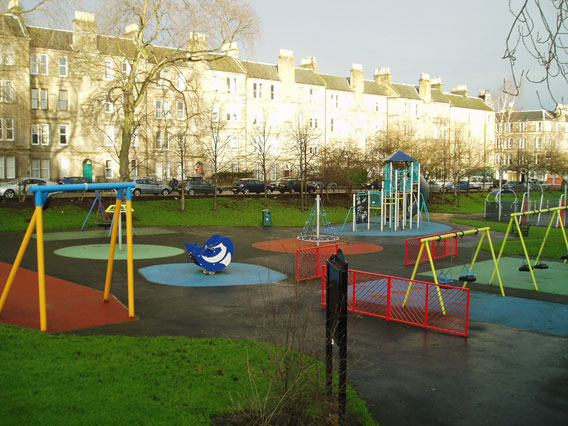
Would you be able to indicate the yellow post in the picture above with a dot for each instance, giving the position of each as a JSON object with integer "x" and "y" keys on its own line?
{"x": 545, "y": 237}
{"x": 509, "y": 227}
{"x": 112, "y": 250}
{"x": 130, "y": 256}
{"x": 531, "y": 269}
{"x": 18, "y": 261}
{"x": 496, "y": 263}
{"x": 41, "y": 269}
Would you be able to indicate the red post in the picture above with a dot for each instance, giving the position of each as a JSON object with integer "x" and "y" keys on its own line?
{"x": 467, "y": 315}
{"x": 426, "y": 307}
{"x": 388, "y": 298}
{"x": 354, "y": 274}
{"x": 297, "y": 266}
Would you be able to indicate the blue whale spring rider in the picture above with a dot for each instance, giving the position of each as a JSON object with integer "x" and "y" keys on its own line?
{"x": 214, "y": 255}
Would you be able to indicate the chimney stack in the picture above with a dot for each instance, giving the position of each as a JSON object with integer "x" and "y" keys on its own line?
{"x": 425, "y": 87}
{"x": 286, "y": 66}
{"x": 357, "y": 78}
{"x": 131, "y": 31}
{"x": 460, "y": 90}
{"x": 85, "y": 31}
{"x": 309, "y": 63}
{"x": 383, "y": 76}
{"x": 231, "y": 49}
{"x": 14, "y": 7}
{"x": 197, "y": 42}
{"x": 436, "y": 83}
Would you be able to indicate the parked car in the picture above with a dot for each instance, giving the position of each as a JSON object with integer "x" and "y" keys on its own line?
{"x": 436, "y": 186}
{"x": 463, "y": 186}
{"x": 376, "y": 184}
{"x": 199, "y": 186}
{"x": 321, "y": 185}
{"x": 150, "y": 186}
{"x": 70, "y": 180}
{"x": 521, "y": 186}
{"x": 480, "y": 183}
{"x": 21, "y": 186}
{"x": 247, "y": 186}
{"x": 294, "y": 185}
{"x": 179, "y": 185}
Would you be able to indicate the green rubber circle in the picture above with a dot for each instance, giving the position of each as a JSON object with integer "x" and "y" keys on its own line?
{"x": 101, "y": 251}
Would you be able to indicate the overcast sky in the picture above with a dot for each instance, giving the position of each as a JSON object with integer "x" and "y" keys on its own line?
{"x": 461, "y": 41}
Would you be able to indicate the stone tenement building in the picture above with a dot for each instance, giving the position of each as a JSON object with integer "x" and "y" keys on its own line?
{"x": 59, "y": 115}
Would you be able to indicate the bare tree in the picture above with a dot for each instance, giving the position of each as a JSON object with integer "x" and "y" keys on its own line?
{"x": 538, "y": 31}
{"x": 194, "y": 31}
{"x": 216, "y": 143}
{"x": 304, "y": 146}
{"x": 262, "y": 138}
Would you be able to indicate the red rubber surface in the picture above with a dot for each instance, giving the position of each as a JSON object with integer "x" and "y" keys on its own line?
{"x": 69, "y": 306}
{"x": 290, "y": 246}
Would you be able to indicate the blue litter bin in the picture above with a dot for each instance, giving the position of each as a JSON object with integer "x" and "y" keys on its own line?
{"x": 266, "y": 218}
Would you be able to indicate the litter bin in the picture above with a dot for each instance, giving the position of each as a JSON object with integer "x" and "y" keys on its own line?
{"x": 266, "y": 218}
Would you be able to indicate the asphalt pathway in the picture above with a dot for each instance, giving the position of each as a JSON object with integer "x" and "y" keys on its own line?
{"x": 500, "y": 375}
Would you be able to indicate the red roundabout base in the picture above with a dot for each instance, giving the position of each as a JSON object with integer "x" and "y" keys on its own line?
{"x": 69, "y": 306}
{"x": 291, "y": 246}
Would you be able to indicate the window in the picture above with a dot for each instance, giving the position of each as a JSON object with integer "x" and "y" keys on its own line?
{"x": 259, "y": 91}
{"x": 35, "y": 99}
{"x": 109, "y": 106}
{"x": 312, "y": 96}
{"x": 158, "y": 108}
{"x": 258, "y": 119}
{"x": 40, "y": 168}
{"x": 182, "y": 84}
{"x": 63, "y": 66}
{"x": 7, "y": 167}
{"x": 134, "y": 167}
{"x": 39, "y": 63}
{"x": 522, "y": 127}
{"x": 6, "y": 91}
{"x": 180, "y": 110}
{"x": 231, "y": 85}
{"x": 509, "y": 127}
{"x": 159, "y": 139}
{"x": 108, "y": 169}
{"x": 40, "y": 134}
{"x": 63, "y": 134}
{"x": 63, "y": 100}
{"x": 509, "y": 143}
{"x": 272, "y": 92}
{"x": 6, "y": 129}
{"x": 538, "y": 143}
{"x": 215, "y": 114}
{"x": 40, "y": 98}
{"x": 64, "y": 167}
{"x": 164, "y": 81}
{"x": 335, "y": 100}
{"x": 539, "y": 126}
{"x": 109, "y": 135}
{"x": 125, "y": 67}
{"x": 232, "y": 113}
{"x": 548, "y": 126}
{"x": 108, "y": 71}
{"x": 159, "y": 170}
{"x": 313, "y": 123}
{"x": 7, "y": 55}
{"x": 331, "y": 125}
{"x": 167, "y": 110}
{"x": 522, "y": 143}
{"x": 233, "y": 142}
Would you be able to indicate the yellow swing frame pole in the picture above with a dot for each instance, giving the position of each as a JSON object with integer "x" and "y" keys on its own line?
{"x": 431, "y": 260}
{"x": 112, "y": 249}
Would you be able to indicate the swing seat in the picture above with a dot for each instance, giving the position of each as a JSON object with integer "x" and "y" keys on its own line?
{"x": 444, "y": 279}
{"x": 540, "y": 266}
{"x": 525, "y": 268}
{"x": 468, "y": 278}
{"x": 105, "y": 224}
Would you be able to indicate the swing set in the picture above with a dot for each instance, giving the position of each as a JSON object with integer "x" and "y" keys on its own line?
{"x": 467, "y": 273}
{"x": 527, "y": 266}
{"x": 42, "y": 194}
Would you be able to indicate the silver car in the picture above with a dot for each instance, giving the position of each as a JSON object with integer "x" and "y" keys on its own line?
{"x": 150, "y": 186}
{"x": 21, "y": 186}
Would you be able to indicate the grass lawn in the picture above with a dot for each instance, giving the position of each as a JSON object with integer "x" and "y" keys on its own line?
{"x": 66, "y": 379}
{"x": 231, "y": 211}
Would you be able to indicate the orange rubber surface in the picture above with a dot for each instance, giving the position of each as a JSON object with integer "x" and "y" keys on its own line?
{"x": 69, "y": 306}
{"x": 290, "y": 246}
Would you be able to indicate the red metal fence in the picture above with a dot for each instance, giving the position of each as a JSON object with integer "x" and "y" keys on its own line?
{"x": 439, "y": 249}
{"x": 442, "y": 308}
{"x": 310, "y": 261}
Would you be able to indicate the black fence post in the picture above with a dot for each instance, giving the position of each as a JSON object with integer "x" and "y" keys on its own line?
{"x": 336, "y": 325}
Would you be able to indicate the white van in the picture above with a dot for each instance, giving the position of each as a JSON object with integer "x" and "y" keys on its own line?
{"x": 478, "y": 183}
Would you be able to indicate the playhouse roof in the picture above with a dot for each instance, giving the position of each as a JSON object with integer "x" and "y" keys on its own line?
{"x": 399, "y": 156}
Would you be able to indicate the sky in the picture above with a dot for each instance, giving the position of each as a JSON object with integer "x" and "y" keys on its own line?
{"x": 461, "y": 41}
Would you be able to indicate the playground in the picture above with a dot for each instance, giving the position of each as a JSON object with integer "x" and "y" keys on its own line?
{"x": 407, "y": 374}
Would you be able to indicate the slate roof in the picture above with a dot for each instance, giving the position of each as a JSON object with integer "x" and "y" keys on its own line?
{"x": 372, "y": 88}
{"x": 336, "y": 83}
{"x": 460, "y": 101}
{"x": 438, "y": 96}
{"x": 9, "y": 25}
{"x": 261, "y": 71}
{"x": 50, "y": 39}
{"x": 406, "y": 91}
{"x": 538, "y": 115}
{"x": 304, "y": 76}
